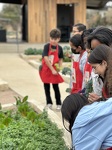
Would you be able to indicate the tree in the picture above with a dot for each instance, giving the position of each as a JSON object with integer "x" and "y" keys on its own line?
{"x": 12, "y": 12}
{"x": 99, "y": 17}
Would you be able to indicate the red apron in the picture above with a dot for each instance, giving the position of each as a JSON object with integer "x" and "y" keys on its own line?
{"x": 77, "y": 77}
{"x": 45, "y": 73}
{"x": 104, "y": 93}
{"x": 87, "y": 72}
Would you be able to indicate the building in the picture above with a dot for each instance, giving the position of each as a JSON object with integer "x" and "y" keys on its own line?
{"x": 40, "y": 16}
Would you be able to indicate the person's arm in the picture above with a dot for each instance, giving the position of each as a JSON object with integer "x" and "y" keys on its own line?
{"x": 46, "y": 58}
{"x": 60, "y": 62}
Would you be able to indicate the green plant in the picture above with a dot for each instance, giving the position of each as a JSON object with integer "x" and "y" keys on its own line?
{"x": 66, "y": 56}
{"x": 66, "y": 48}
{"x": 31, "y": 132}
{"x": 33, "y": 51}
{"x": 66, "y": 59}
{"x": 66, "y": 70}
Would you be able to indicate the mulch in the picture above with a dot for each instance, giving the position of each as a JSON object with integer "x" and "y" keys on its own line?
{"x": 8, "y": 96}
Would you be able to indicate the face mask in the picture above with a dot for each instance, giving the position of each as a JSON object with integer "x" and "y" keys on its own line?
{"x": 74, "y": 51}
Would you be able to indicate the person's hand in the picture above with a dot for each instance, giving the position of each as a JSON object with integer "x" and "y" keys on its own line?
{"x": 93, "y": 97}
{"x": 58, "y": 68}
{"x": 54, "y": 72}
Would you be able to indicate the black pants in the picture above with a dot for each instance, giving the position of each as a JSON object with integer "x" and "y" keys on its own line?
{"x": 56, "y": 92}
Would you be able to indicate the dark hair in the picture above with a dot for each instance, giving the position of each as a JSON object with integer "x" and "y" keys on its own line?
{"x": 85, "y": 34}
{"x": 80, "y": 26}
{"x": 71, "y": 106}
{"x": 101, "y": 38}
{"x": 76, "y": 40}
{"x": 108, "y": 78}
{"x": 102, "y": 34}
{"x": 99, "y": 54}
{"x": 55, "y": 33}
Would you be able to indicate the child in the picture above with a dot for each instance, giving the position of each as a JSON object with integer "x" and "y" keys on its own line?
{"x": 100, "y": 35}
{"x": 76, "y": 29}
{"x": 77, "y": 46}
{"x": 89, "y": 125}
{"x": 101, "y": 60}
{"x": 52, "y": 59}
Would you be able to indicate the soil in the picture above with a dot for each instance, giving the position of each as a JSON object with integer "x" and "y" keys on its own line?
{"x": 8, "y": 96}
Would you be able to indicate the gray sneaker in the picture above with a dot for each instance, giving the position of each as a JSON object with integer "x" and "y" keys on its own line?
{"x": 58, "y": 107}
{"x": 48, "y": 106}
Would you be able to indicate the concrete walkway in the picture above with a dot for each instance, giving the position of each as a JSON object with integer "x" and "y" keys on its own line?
{"x": 25, "y": 80}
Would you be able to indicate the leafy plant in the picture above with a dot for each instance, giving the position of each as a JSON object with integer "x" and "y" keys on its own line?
{"x": 66, "y": 48}
{"x": 33, "y": 51}
{"x": 32, "y": 132}
{"x": 66, "y": 70}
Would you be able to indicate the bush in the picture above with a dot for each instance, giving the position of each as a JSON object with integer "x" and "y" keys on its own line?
{"x": 33, "y": 51}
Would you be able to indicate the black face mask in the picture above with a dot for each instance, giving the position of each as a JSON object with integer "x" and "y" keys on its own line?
{"x": 74, "y": 51}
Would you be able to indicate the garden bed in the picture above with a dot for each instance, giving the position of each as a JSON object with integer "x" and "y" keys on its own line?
{"x": 23, "y": 128}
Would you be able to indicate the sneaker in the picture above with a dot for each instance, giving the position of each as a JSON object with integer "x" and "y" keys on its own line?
{"x": 48, "y": 106}
{"x": 58, "y": 107}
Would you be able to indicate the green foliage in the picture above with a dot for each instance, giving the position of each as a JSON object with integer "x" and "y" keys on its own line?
{"x": 33, "y": 51}
{"x": 66, "y": 59}
{"x": 66, "y": 70}
{"x": 5, "y": 118}
{"x": 66, "y": 48}
{"x": 89, "y": 87}
{"x": 66, "y": 52}
{"x": 11, "y": 13}
{"x": 31, "y": 132}
{"x": 20, "y": 101}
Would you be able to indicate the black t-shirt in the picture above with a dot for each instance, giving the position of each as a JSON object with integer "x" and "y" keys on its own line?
{"x": 46, "y": 50}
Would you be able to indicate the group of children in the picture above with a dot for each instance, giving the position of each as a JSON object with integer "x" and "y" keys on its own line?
{"x": 90, "y": 111}
{"x": 91, "y": 85}
{"x": 52, "y": 59}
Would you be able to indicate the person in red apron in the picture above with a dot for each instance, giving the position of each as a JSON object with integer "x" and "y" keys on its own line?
{"x": 101, "y": 35}
{"x": 52, "y": 58}
{"x": 77, "y": 47}
{"x": 87, "y": 71}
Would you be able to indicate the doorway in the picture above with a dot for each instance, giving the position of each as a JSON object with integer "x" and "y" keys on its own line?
{"x": 65, "y": 20}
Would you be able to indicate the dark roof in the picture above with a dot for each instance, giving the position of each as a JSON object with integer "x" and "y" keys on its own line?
{"x": 13, "y": 1}
{"x": 92, "y": 4}
{"x": 96, "y": 4}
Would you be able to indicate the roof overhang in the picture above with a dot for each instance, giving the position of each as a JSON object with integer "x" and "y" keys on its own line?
{"x": 91, "y": 4}
{"x": 96, "y": 4}
{"x": 13, "y": 1}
